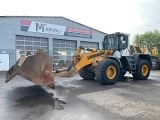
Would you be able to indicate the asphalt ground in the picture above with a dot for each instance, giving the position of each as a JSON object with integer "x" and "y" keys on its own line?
{"x": 77, "y": 99}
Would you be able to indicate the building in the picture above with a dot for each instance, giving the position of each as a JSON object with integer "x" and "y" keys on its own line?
{"x": 57, "y": 36}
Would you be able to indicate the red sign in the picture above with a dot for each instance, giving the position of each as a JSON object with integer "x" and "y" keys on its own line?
{"x": 77, "y": 30}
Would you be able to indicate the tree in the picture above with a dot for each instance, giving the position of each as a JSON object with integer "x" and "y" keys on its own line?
{"x": 148, "y": 39}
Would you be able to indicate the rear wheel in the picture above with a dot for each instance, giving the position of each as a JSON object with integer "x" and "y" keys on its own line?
{"x": 107, "y": 71}
{"x": 142, "y": 70}
{"x": 87, "y": 73}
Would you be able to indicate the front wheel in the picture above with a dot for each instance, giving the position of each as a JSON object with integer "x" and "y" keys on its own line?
{"x": 142, "y": 70}
{"x": 107, "y": 71}
{"x": 86, "y": 73}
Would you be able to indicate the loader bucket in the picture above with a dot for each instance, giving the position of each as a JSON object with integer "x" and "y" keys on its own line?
{"x": 35, "y": 68}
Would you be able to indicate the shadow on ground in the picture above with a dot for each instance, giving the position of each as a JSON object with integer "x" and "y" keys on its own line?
{"x": 32, "y": 96}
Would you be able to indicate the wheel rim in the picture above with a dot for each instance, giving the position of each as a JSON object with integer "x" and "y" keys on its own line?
{"x": 111, "y": 72}
{"x": 145, "y": 70}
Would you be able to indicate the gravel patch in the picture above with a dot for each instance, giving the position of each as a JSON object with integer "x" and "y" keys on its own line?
{"x": 123, "y": 106}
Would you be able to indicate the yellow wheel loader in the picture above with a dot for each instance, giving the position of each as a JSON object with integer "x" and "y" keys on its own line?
{"x": 155, "y": 55}
{"x": 107, "y": 65}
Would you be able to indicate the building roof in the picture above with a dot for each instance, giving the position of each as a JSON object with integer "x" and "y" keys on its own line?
{"x": 52, "y": 17}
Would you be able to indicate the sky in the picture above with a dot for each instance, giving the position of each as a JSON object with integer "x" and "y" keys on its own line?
{"x": 109, "y": 16}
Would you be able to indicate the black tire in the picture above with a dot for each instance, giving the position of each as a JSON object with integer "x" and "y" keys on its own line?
{"x": 142, "y": 74}
{"x": 87, "y": 74}
{"x": 101, "y": 68}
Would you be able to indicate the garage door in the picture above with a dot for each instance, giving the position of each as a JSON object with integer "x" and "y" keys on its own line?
{"x": 89, "y": 44}
{"x": 63, "y": 49}
{"x": 4, "y": 62}
{"x": 31, "y": 44}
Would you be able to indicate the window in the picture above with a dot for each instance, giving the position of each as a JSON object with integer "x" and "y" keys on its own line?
{"x": 63, "y": 49}
{"x": 32, "y": 44}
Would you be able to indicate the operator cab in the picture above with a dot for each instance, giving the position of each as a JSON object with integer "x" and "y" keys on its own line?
{"x": 115, "y": 42}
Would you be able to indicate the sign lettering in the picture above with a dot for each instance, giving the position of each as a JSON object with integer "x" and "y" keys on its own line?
{"x": 95, "y": 55}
